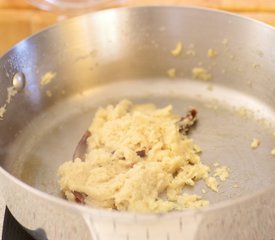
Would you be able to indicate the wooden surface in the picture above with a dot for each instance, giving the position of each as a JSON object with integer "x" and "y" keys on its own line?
{"x": 18, "y": 19}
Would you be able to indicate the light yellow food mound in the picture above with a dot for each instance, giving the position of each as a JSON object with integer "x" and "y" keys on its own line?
{"x": 137, "y": 160}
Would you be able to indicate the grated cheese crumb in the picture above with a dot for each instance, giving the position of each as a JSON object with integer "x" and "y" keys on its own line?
{"x": 177, "y": 50}
{"x": 212, "y": 183}
{"x": 11, "y": 93}
{"x": 255, "y": 143}
{"x": 49, "y": 93}
{"x": 2, "y": 111}
{"x": 273, "y": 152}
{"x": 211, "y": 53}
{"x": 172, "y": 72}
{"x": 225, "y": 41}
{"x": 203, "y": 191}
{"x": 216, "y": 164}
{"x": 201, "y": 73}
{"x": 222, "y": 173}
{"x": 47, "y": 78}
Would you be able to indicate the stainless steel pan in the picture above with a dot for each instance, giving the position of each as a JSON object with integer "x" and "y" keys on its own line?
{"x": 103, "y": 57}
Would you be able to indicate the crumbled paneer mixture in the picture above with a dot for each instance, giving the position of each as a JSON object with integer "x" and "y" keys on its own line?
{"x": 255, "y": 143}
{"x": 201, "y": 73}
{"x": 211, "y": 53}
{"x": 47, "y": 78}
{"x": 273, "y": 152}
{"x": 49, "y": 93}
{"x": 222, "y": 173}
{"x": 11, "y": 92}
{"x": 212, "y": 183}
{"x": 138, "y": 158}
{"x": 172, "y": 72}
{"x": 177, "y": 50}
{"x": 2, "y": 111}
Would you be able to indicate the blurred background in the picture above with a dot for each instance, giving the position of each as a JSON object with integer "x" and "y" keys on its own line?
{"x": 21, "y": 18}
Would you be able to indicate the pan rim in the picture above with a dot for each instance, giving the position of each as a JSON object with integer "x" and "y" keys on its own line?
{"x": 126, "y": 215}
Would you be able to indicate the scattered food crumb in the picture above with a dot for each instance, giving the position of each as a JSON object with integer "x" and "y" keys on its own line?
{"x": 216, "y": 164}
{"x": 225, "y": 41}
{"x": 47, "y": 78}
{"x": 203, "y": 190}
{"x": 201, "y": 73}
{"x": 177, "y": 50}
{"x": 190, "y": 51}
{"x": 249, "y": 83}
{"x": 2, "y": 111}
{"x": 236, "y": 185}
{"x": 256, "y": 65}
{"x": 211, "y": 53}
{"x": 255, "y": 143}
{"x": 212, "y": 183}
{"x": 273, "y": 152}
{"x": 172, "y": 72}
{"x": 209, "y": 87}
{"x": 11, "y": 93}
{"x": 49, "y": 93}
{"x": 244, "y": 112}
{"x": 222, "y": 173}
{"x": 232, "y": 56}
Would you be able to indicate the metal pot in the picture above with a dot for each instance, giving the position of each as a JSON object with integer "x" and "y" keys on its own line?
{"x": 64, "y": 73}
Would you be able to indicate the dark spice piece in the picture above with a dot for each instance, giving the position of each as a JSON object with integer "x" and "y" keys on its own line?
{"x": 81, "y": 147}
{"x": 80, "y": 197}
{"x": 141, "y": 153}
{"x": 187, "y": 121}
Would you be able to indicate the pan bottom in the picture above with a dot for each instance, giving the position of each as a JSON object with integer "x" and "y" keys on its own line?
{"x": 228, "y": 121}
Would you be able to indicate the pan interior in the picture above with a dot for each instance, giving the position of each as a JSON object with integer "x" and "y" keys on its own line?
{"x": 228, "y": 122}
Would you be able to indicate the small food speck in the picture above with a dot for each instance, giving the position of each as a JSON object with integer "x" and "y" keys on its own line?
{"x": 216, "y": 164}
{"x": 222, "y": 173}
{"x": 212, "y": 183}
{"x": 177, "y": 50}
{"x": 190, "y": 51}
{"x": 225, "y": 41}
{"x": 244, "y": 112}
{"x": 49, "y": 93}
{"x": 255, "y": 143}
{"x": 47, "y": 78}
{"x": 203, "y": 191}
{"x": 256, "y": 65}
{"x": 232, "y": 56}
{"x": 236, "y": 185}
{"x": 172, "y": 72}
{"x": 210, "y": 87}
{"x": 273, "y": 152}
{"x": 201, "y": 73}
{"x": 211, "y": 53}
{"x": 2, "y": 111}
{"x": 11, "y": 93}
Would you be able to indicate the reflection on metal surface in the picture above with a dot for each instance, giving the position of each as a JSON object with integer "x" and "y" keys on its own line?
{"x": 19, "y": 81}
